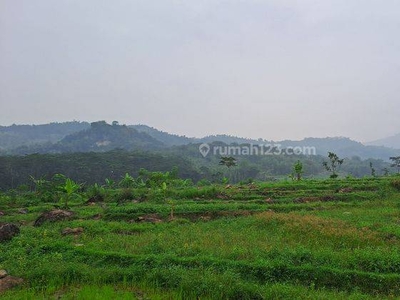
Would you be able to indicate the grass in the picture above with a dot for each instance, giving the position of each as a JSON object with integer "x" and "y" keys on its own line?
{"x": 327, "y": 239}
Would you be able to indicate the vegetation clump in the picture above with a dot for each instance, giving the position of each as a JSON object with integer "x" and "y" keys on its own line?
{"x": 309, "y": 238}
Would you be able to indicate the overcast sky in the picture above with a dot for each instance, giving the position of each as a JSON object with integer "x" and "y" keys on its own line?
{"x": 276, "y": 69}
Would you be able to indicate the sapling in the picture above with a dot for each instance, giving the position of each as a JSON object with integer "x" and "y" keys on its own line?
{"x": 334, "y": 163}
{"x": 70, "y": 187}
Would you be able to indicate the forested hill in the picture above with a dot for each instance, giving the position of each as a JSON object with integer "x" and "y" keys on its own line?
{"x": 100, "y": 137}
{"x": 392, "y": 142}
{"x": 178, "y": 140}
{"x": 21, "y": 135}
{"x": 344, "y": 147}
{"x": 164, "y": 137}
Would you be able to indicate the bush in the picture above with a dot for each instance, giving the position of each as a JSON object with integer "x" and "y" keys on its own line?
{"x": 396, "y": 184}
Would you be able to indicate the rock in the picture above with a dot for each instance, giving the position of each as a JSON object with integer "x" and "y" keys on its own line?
{"x": 74, "y": 231}
{"x": 328, "y": 198}
{"x": 153, "y": 218}
{"x": 205, "y": 218}
{"x": 299, "y": 200}
{"x": 269, "y": 201}
{"x": 95, "y": 199}
{"x": 222, "y": 197}
{"x": 53, "y": 216}
{"x": 96, "y": 217}
{"x": 22, "y": 211}
{"x": 9, "y": 282}
{"x": 8, "y": 231}
{"x": 345, "y": 190}
{"x": 3, "y": 273}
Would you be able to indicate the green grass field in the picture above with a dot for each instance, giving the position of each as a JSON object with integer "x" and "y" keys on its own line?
{"x": 313, "y": 239}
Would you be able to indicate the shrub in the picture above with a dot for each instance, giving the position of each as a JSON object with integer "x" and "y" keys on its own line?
{"x": 396, "y": 184}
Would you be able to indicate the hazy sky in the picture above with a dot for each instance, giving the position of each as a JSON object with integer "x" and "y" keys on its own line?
{"x": 276, "y": 69}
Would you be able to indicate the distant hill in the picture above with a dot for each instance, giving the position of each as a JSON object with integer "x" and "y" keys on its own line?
{"x": 166, "y": 138}
{"x": 101, "y": 137}
{"x": 227, "y": 139}
{"x": 344, "y": 147}
{"x": 23, "y": 135}
{"x": 391, "y": 142}
{"x": 178, "y": 140}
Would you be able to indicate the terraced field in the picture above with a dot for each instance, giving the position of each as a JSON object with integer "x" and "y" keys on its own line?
{"x": 315, "y": 239}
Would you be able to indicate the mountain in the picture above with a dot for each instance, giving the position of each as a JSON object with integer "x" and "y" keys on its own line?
{"x": 228, "y": 139}
{"x": 101, "y": 137}
{"x": 391, "y": 142}
{"x": 23, "y": 135}
{"x": 166, "y": 138}
{"x": 178, "y": 140}
{"x": 344, "y": 147}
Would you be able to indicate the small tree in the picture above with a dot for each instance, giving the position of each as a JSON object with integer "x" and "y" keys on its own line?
{"x": 127, "y": 181}
{"x": 229, "y": 162}
{"x": 70, "y": 187}
{"x": 373, "y": 172}
{"x": 385, "y": 171}
{"x": 396, "y": 162}
{"x": 333, "y": 164}
{"x": 298, "y": 170}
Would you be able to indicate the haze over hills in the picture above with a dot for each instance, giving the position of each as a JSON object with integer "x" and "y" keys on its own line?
{"x": 23, "y": 135}
{"x": 104, "y": 150}
{"x": 391, "y": 142}
{"x": 101, "y": 137}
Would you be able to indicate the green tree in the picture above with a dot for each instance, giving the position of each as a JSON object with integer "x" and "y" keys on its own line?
{"x": 298, "y": 170}
{"x": 385, "y": 171}
{"x": 228, "y": 161}
{"x": 373, "y": 172}
{"x": 396, "y": 162}
{"x": 334, "y": 163}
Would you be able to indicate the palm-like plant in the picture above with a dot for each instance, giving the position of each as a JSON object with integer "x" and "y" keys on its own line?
{"x": 70, "y": 188}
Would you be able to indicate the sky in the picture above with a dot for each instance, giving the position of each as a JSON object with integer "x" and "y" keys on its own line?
{"x": 271, "y": 69}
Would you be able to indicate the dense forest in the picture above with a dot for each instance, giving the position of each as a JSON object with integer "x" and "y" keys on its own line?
{"x": 101, "y": 137}
{"x": 90, "y": 153}
{"x": 92, "y": 167}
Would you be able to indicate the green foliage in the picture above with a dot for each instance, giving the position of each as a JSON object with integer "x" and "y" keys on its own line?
{"x": 395, "y": 162}
{"x": 125, "y": 194}
{"x": 97, "y": 193}
{"x": 110, "y": 183}
{"x": 315, "y": 239}
{"x": 396, "y": 184}
{"x": 334, "y": 163}
{"x": 228, "y": 161}
{"x": 70, "y": 188}
{"x": 373, "y": 171}
{"x": 127, "y": 181}
{"x": 298, "y": 170}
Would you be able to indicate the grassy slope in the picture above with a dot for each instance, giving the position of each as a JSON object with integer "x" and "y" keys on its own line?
{"x": 267, "y": 241}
